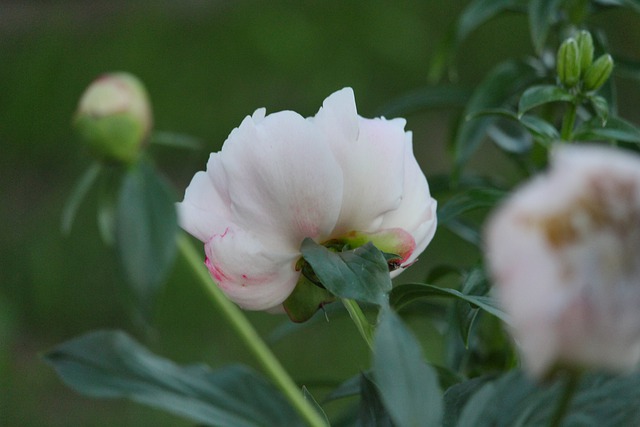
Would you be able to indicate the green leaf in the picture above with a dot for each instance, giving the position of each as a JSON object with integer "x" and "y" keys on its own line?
{"x": 601, "y": 107}
{"x": 480, "y": 11}
{"x": 601, "y": 400}
{"x": 538, "y": 127}
{"x": 616, "y": 129}
{"x": 495, "y": 91}
{"x": 110, "y": 364}
{"x": 465, "y": 231}
{"x": 407, "y": 384}
{"x": 474, "y": 408}
{"x": 631, "y": 4}
{"x": 372, "y": 412}
{"x": 361, "y": 274}
{"x": 107, "y": 201}
{"x": 473, "y": 284}
{"x": 426, "y": 98}
{"x": 309, "y": 397}
{"x": 510, "y": 136}
{"x": 543, "y": 94}
{"x": 176, "y": 140}
{"x": 403, "y": 295}
{"x": 146, "y": 231}
{"x": 542, "y": 15}
{"x": 468, "y": 200}
{"x": 347, "y": 388}
{"x": 78, "y": 194}
{"x": 457, "y": 396}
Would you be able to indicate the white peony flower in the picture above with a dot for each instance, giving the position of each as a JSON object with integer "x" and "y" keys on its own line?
{"x": 280, "y": 178}
{"x": 564, "y": 255}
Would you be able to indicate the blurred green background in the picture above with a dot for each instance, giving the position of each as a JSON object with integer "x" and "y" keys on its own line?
{"x": 206, "y": 66}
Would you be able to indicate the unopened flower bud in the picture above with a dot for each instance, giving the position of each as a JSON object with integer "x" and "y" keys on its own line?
{"x": 598, "y": 73}
{"x": 569, "y": 63}
{"x": 114, "y": 116}
{"x": 585, "y": 49}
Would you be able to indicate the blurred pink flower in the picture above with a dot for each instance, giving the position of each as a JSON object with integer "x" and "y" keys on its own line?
{"x": 280, "y": 178}
{"x": 564, "y": 255}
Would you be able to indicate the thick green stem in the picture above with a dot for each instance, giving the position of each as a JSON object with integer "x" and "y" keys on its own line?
{"x": 569, "y": 391}
{"x": 360, "y": 320}
{"x": 568, "y": 122}
{"x": 248, "y": 334}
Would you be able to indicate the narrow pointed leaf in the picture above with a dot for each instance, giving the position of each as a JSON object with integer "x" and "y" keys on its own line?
{"x": 426, "y": 98}
{"x": 407, "y": 293}
{"x": 538, "y": 127}
{"x": 309, "y": 397}
{"x": 510, "y": 136}
{"x": 407, "y": 384}
{"x": 616, "y": 129}
{"x": 474, "y": 408}
{"x": 474, "y": 198}
{"x": 78, "y": 194}
{"x": 480, "y": 11}
{"x": 495, "y": 91}
{"x": 110, "y": 364}
{"x": 176, "y": 140}
{"x": 372, "y": 412}
{"x": 544, "y": 94}
{"x": 146, "y": 230}
{"x": 542, "y": 14}
{"x": 601, "y": 107}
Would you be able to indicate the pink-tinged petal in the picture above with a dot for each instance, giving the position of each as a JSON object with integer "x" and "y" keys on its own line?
{"x": 371, "y": 154}
{"x": 206, "y": 203}
{"x": 511, "y": 263}
{"x": 562, "y": 251}
{"x": 283, "y": 181}
{"x": 250, "y": 274}
{"x": 416, "y": 213}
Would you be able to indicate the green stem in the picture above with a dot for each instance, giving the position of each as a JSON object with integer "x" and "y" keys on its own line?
{"x": 568, "y": 122}
{"x": 248, "y": 334}
{"x": 360, "y": 320}
{"x": 569, "y": 391}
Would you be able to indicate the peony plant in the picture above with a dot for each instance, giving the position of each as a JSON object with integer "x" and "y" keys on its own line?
{"x": 336, "y": 178}
{"x": 532, "y": 320}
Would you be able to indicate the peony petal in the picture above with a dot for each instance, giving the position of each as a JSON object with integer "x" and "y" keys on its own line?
{"x": 251, "y": 275}
{"x": 563, "y": 254}
{"x": 417, "y": 211}
{"x": 206, "y": 203}
{"x": 283, "y": 180}
{"x": 371, "y": 154}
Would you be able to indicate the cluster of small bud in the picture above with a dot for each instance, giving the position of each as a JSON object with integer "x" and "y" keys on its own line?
{"x": 575, "y": 64}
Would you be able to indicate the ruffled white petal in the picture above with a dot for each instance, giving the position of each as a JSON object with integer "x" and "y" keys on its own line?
{"x": 283, "y": 181}
{"x": 563, "y": 254}
{"x": 280, "y": 178}
{"x": 371, "y": 155}
{"x": 206, "y": 203}
{"x": 416, "y": 212}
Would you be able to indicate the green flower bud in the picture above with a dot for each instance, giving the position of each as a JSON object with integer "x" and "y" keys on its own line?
{"x": 585, "y": 49}
{"x": 598, "y": 73}
{"x": 569, "y": 63}
{"x": 114, "y": 117}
